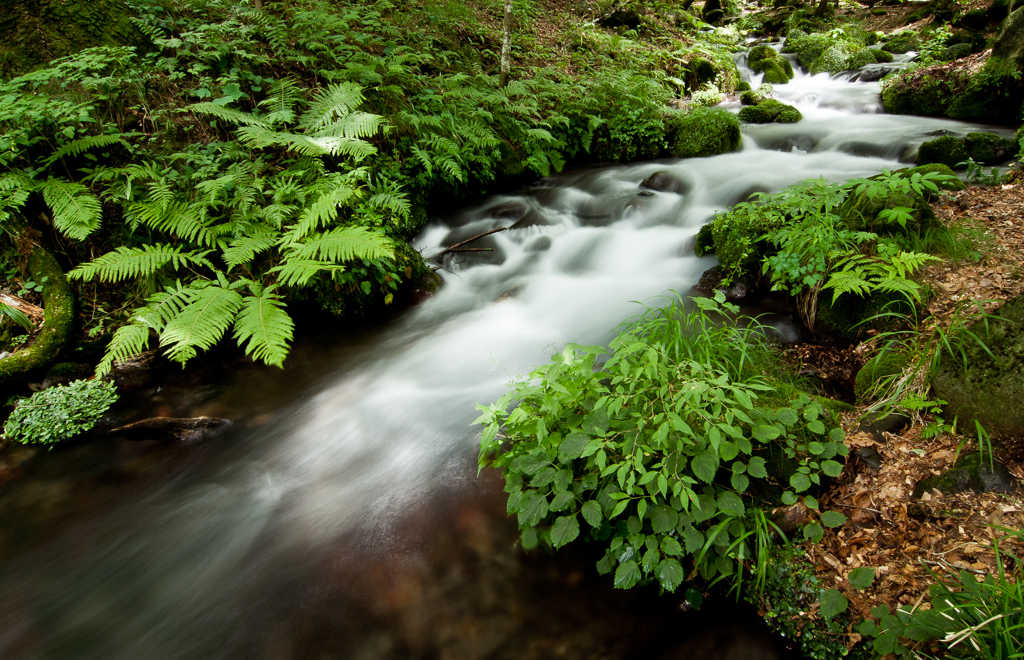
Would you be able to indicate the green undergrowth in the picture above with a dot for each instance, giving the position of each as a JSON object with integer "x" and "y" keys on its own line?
{"x": 248, "y": 159}
{"x": 667, "y": 449}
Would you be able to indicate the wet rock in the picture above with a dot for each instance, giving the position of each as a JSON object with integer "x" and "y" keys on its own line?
{"x": 531, "y": 219}
{"x": 735, "y": 292}
{"x": 63, "y": 373}
{"x": 873, "y": 72}
{"x": 876, "y": 424}
{"x": 540, "y": 244}
{"x": 990, "y": 388}
{"x": 173, "y": 429}
{"x": 135, "y": 372}
{"x": 870, "y": 456}
{"x": 1010, "y": 44}
{"x": 512, "y": 211}
{"x": 626, "y": 18}
{"x": 971, "y": 472}
{"x": 954, "y": 52}
{"x": 666, "y": 182}
{"x": 989, "y": 148}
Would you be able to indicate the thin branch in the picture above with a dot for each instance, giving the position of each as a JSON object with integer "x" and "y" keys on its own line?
{"x": 469, "y": 240}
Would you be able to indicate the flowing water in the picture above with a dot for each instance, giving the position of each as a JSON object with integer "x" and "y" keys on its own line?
{"x": 343, "y": 518}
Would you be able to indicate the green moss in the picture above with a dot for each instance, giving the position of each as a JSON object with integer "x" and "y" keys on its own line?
{"x": 947, "y": 150}
{"x": 703, "y": 132}
{"x": 765, "y": 59}
{"x": 705, "y": 242}
{"x": 916, "y": 94}
{"x": 887, "y": 363}
{"x": 59, "y": 307}
{"x": 750, "y": 98}
{"x": 902, "y": 42}
{"x": 742, "y": 86}
{"x": 953, "y": 183}
{"x": 954, "y": 52}
{"x": 768, "y": 111}
{"x": 989, "y": 148}
{"x": 775, "y": 76}
{"x": 832, "y": 60}
{"x": 862, "y": 212}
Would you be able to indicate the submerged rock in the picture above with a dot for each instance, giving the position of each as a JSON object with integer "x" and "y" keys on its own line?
{"x": 666, "y": 182}
{"x": 173, "y": 429}
{"x": 971, "y": 472}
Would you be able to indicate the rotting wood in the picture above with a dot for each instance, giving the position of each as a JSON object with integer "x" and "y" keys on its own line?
{"x": 28, "y": 309}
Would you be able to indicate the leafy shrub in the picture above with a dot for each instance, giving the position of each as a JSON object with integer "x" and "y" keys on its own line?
{"x": 659, "y": 450}
{"x": 703, "y": 132}
{"x": 59, "y": 413}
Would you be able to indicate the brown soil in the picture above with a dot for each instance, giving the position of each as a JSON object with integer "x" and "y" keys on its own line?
{"x": 912, "y": 542}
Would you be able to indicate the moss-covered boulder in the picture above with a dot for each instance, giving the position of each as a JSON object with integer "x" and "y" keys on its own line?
{"x": 59, "y": 309}
{"x": 954, "y": 52}
{"x": 989, "y": 148}
{"x": 854, "y": 319}
{"x": 975, "y": 19}
{"x": 951, "y": 182}
{"x": 902, "y": 42}
{"x": 987, "y": 387}
{"x": 743, "y": 86}
{"x": 998, "y": 10}
{"x": 1009, "y": 46}
{"x": 947, "y": 150}
{"x": 37, "y": 31}
{"x": 861, "y": 211}
{"x": 776, "y": 69}
{"x": 886, "y": 364}
{"x": 973, "y": 472}
{"x": 750, "y": 98}
{"x": 768, "y": 111}
{"x": 993, "y": 95}
{"x": 866, "y": 56}
{"x": 702, "y": 132}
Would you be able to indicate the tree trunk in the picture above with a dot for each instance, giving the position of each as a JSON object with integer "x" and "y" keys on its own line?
{"x": 823, "y": 8}
{"x": 506, "y": 44}
{"x": 59, "y": 313}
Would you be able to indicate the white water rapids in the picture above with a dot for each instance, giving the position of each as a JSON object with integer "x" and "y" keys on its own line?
{"x": 191, "y": 565}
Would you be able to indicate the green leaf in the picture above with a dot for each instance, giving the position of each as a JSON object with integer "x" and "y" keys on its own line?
{"x": 694, "y": 540}
{"x": 565, "y": 530}
{"x": 670, "y": 574}
{"x": 787, "y": 416}
{"x": 800, "y": 482}
{"x": 592, "y": 513}
{"x": 756, "y": 468}
{"x": 670, "y": 546}
{"x": 788, "y": 498}
{"x": 562, "y": 500}
{"x": 832, "y": 468}
{"x": 816, "y": 426}
{"x": 728, "y": 450}
{"x": 596, "y": 423}
{"x": 265, "y": 326}
{"x": 705, "y": 465}
{"x": 813, "y": 532}
{"x": 533, "y": 509}
{"x": 816, "y": 448}
{"x": 810, "y": 502}
{"x": 664, "y": 519}
{"x": 627, "y": 575}
{"x": 740, "y": 482}
{"x": 861, "y": 578}
{"x": 619, "y": 508}
{"x": 572, "y": 447}
{"x": 833, "y": 519}
{"x": 731, "y": 503}
{"x": 833, "y": 603}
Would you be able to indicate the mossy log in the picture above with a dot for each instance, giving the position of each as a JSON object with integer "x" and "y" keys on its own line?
{"x": 59, "y": 314}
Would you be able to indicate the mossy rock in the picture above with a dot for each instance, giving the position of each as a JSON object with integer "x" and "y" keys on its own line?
{"x": 704, "y": 244}
{"x": 750, "y": 98}
{"x": 884, "y": 365}
{"x": 971, "y": 472}
{"x": 947, "y": 150}
{"x": 975, "y": 19}
{"x": 902, "y": 43}
{"x": 703, "y": 132}
{"x": 952, "y": 184}
{"x": 867, "y": 56}
{"x": 989, "y": 148}
{"x": 878, "y": 11}
{"x": 998, "y": 10}
{"x": 770, "y": 111}
{"x": 833, "y": 59}
{"x": 920, "y": 95}
{"x": 776, "y": 69}
{"x": 954, "y": 52}
{"x": 38, "y": 31}
{"x": 743, "y": 86}
{"x": 700, "y": 72}
{"x": 849, "y": 318}
{"x": 983, "y": 387}
{"x": 861, "y": 212}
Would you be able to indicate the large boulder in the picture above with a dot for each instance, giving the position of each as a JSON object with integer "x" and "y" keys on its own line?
{"x": 972, "y": 472}
{"x": 1010, "y": 44}
{"x": 766, "y": 111}
{"x": 776, "y": 69}
{"x": 987, "y": 387}
{"x": 947, "y": 150}
{"x": 703, "y": 132}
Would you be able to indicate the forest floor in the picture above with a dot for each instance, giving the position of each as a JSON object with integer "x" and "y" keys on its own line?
{"x": 915, "y": 542}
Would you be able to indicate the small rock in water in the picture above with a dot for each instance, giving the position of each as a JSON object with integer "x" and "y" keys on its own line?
{"x": 665, "y": 182}
{"x": 173, "y": 429}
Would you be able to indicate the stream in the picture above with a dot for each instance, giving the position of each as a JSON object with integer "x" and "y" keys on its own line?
{"x": 342, "y": 516}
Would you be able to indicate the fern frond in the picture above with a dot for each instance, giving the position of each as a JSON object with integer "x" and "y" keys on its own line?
{"x": 848, "y": 281}
{"x": 131, "y": 262}
{"x": 76, "y": 147}
{"x": 163, "y": 306}
{"x": 344, "y": 244}
{"x": 76, "y": 211}
{"x": 331, "y": 104}
{"x": 298, "y": 272}
{"x": 305, "y": 145}
{"x": 263, "y": 323}
{"x": 229, "y": 115}
{"x": 184, "y": 221}
{"x": 243, "y": 250}
{"x": 280, "y": 103}
{"x": 322, "y": 212}
{"x": 128, "y": 341}
{"x": 201, "y": 323}
{"x": 391, "y": 201}
{"x": 357, "y": 125}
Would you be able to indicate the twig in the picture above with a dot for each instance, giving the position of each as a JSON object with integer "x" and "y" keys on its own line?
{"x": 953, "y": 569}
{"x": 470, "y": 249}
{"x": 862, "y": 508}
{"x": 470, "y": 240}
